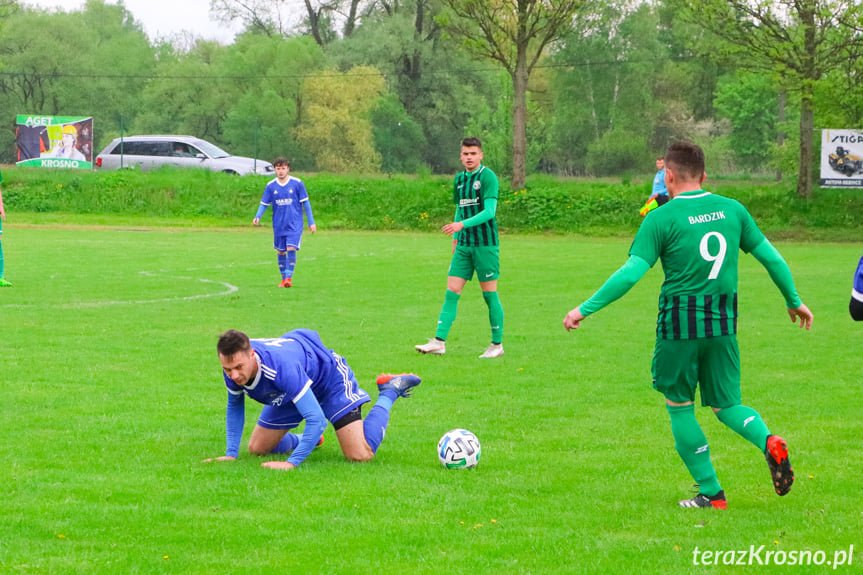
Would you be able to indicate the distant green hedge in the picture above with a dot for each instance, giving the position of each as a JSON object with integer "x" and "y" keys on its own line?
{"x": 409, "y": 203}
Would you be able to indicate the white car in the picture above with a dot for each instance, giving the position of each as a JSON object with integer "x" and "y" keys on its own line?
{"x": 149, "y": 152}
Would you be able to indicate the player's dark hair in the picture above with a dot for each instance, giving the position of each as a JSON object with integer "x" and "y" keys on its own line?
{"x": 471, "y": 143}
{"x": 233, "y": 342}
{"x": 281, "y": 162}
{"x": 687, "y": 159}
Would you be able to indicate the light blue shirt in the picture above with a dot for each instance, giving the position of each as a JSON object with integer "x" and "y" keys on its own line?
{"x": 659, "y": 188}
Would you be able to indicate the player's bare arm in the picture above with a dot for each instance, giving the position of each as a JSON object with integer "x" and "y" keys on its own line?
{"x": 803, "y": 314}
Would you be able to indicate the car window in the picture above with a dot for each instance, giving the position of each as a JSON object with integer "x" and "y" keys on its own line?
{"x": 183, "y": 150}
{"x": 138, "y": 148}
{"x": 212, "y": 150}
{"x": 162, "y": 149}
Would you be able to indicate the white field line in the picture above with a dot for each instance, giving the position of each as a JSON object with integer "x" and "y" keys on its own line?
{"x": 229, "y": 289}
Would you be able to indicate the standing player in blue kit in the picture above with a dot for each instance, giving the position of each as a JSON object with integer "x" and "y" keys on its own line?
{"x": 286, "y": 193}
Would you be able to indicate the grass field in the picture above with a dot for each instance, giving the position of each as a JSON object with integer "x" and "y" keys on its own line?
{"x": 111, "y": 396}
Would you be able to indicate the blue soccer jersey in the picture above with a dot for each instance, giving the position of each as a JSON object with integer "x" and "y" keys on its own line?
{"x": 288, "y": 367}
{"x": 288, "y": 204}
{"x": 291, "y": 364}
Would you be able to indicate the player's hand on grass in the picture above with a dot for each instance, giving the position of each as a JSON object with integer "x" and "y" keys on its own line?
{"x": 256, "y": 222}
{"x": 452, "y": 228}
{"x": 313, "y": 228}
{"x": 573, "y": 319}
{"x": 803, "y": 314}
{"x": 222, "y": 458}
{"x": 283, "y": 465}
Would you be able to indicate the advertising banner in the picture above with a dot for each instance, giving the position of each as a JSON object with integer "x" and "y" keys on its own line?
{"x": 54, "y": 142}
{"x": 841, "y": 159}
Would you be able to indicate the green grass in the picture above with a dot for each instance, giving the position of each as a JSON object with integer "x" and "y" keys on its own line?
{"x": 111, "y": 396}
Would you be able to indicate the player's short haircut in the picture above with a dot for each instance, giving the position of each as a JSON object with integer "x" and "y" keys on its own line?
{"x": 660, "y": 158}
{"x": 233, "y": 342}
{"x": 686, "y": 158}
{"x": 471, "y": 143}
{"x": 281, "y": 162}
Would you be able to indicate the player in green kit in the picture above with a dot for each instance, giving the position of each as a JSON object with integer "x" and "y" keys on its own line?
{"x": 475, "y": 249}
{"x": 698, "y": 236}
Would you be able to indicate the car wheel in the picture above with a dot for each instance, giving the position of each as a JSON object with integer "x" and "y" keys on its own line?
{"x": 231, "y": 172}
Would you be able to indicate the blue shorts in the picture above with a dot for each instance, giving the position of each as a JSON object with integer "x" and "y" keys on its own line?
{"x": 292, "y": 240}
{"x": 340, "y": 395}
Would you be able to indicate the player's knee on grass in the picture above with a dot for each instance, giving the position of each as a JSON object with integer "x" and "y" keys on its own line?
{"x": 263, "y": 440}
{"x": 360, "y": 454}
{"x": 353, "y": 442}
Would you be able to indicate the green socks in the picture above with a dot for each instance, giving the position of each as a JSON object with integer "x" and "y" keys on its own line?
{"x": 450, "y": 307}
{"x": 495, "y": 315}
{"x": 1, "y": 259}
{"x": 447, "y": 314}
{"x": 691, "y": 444}
{"x": 746, "y": 422}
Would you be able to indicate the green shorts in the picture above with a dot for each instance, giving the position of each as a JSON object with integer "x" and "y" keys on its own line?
{"x": 485, "y": 260}
{"x": 711, "y": 363}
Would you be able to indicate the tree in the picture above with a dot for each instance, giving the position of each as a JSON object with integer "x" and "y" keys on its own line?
{"x": 610, "y": 75}
{"x": 270, "y": 105}
{"x": 189, "y": 94}
{"x": 269, "y": 17}
{"x": 436, "y": 83}
{"x": 801, "y": 41}
{"x": 514, "y": 33}
{"x": 751, "y": 102}
{"x": 336, "y": 127}
{"x": 92, "y": 62}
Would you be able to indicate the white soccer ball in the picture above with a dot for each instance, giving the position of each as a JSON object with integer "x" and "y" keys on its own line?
{"x": 459, "y": 449}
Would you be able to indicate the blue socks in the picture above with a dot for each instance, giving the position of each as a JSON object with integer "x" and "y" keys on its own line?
{"x": 375, "y": 423}
{"x": 288, "y": 443}
{"x": 292, "y": 263}
{"x": 283, "y": 264}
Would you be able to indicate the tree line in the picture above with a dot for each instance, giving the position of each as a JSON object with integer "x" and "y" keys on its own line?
{"x": 565, "y": 87}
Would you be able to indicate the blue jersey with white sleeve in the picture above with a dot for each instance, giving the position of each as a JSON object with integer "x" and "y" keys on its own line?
{"x": 297, "y": 378}
{"x": 287, "y": 367}
{"x": 288, "y": 201}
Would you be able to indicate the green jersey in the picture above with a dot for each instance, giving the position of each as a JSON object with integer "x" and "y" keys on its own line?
{"x": 470, "y": 191}
{"x": 698, "y": 237}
